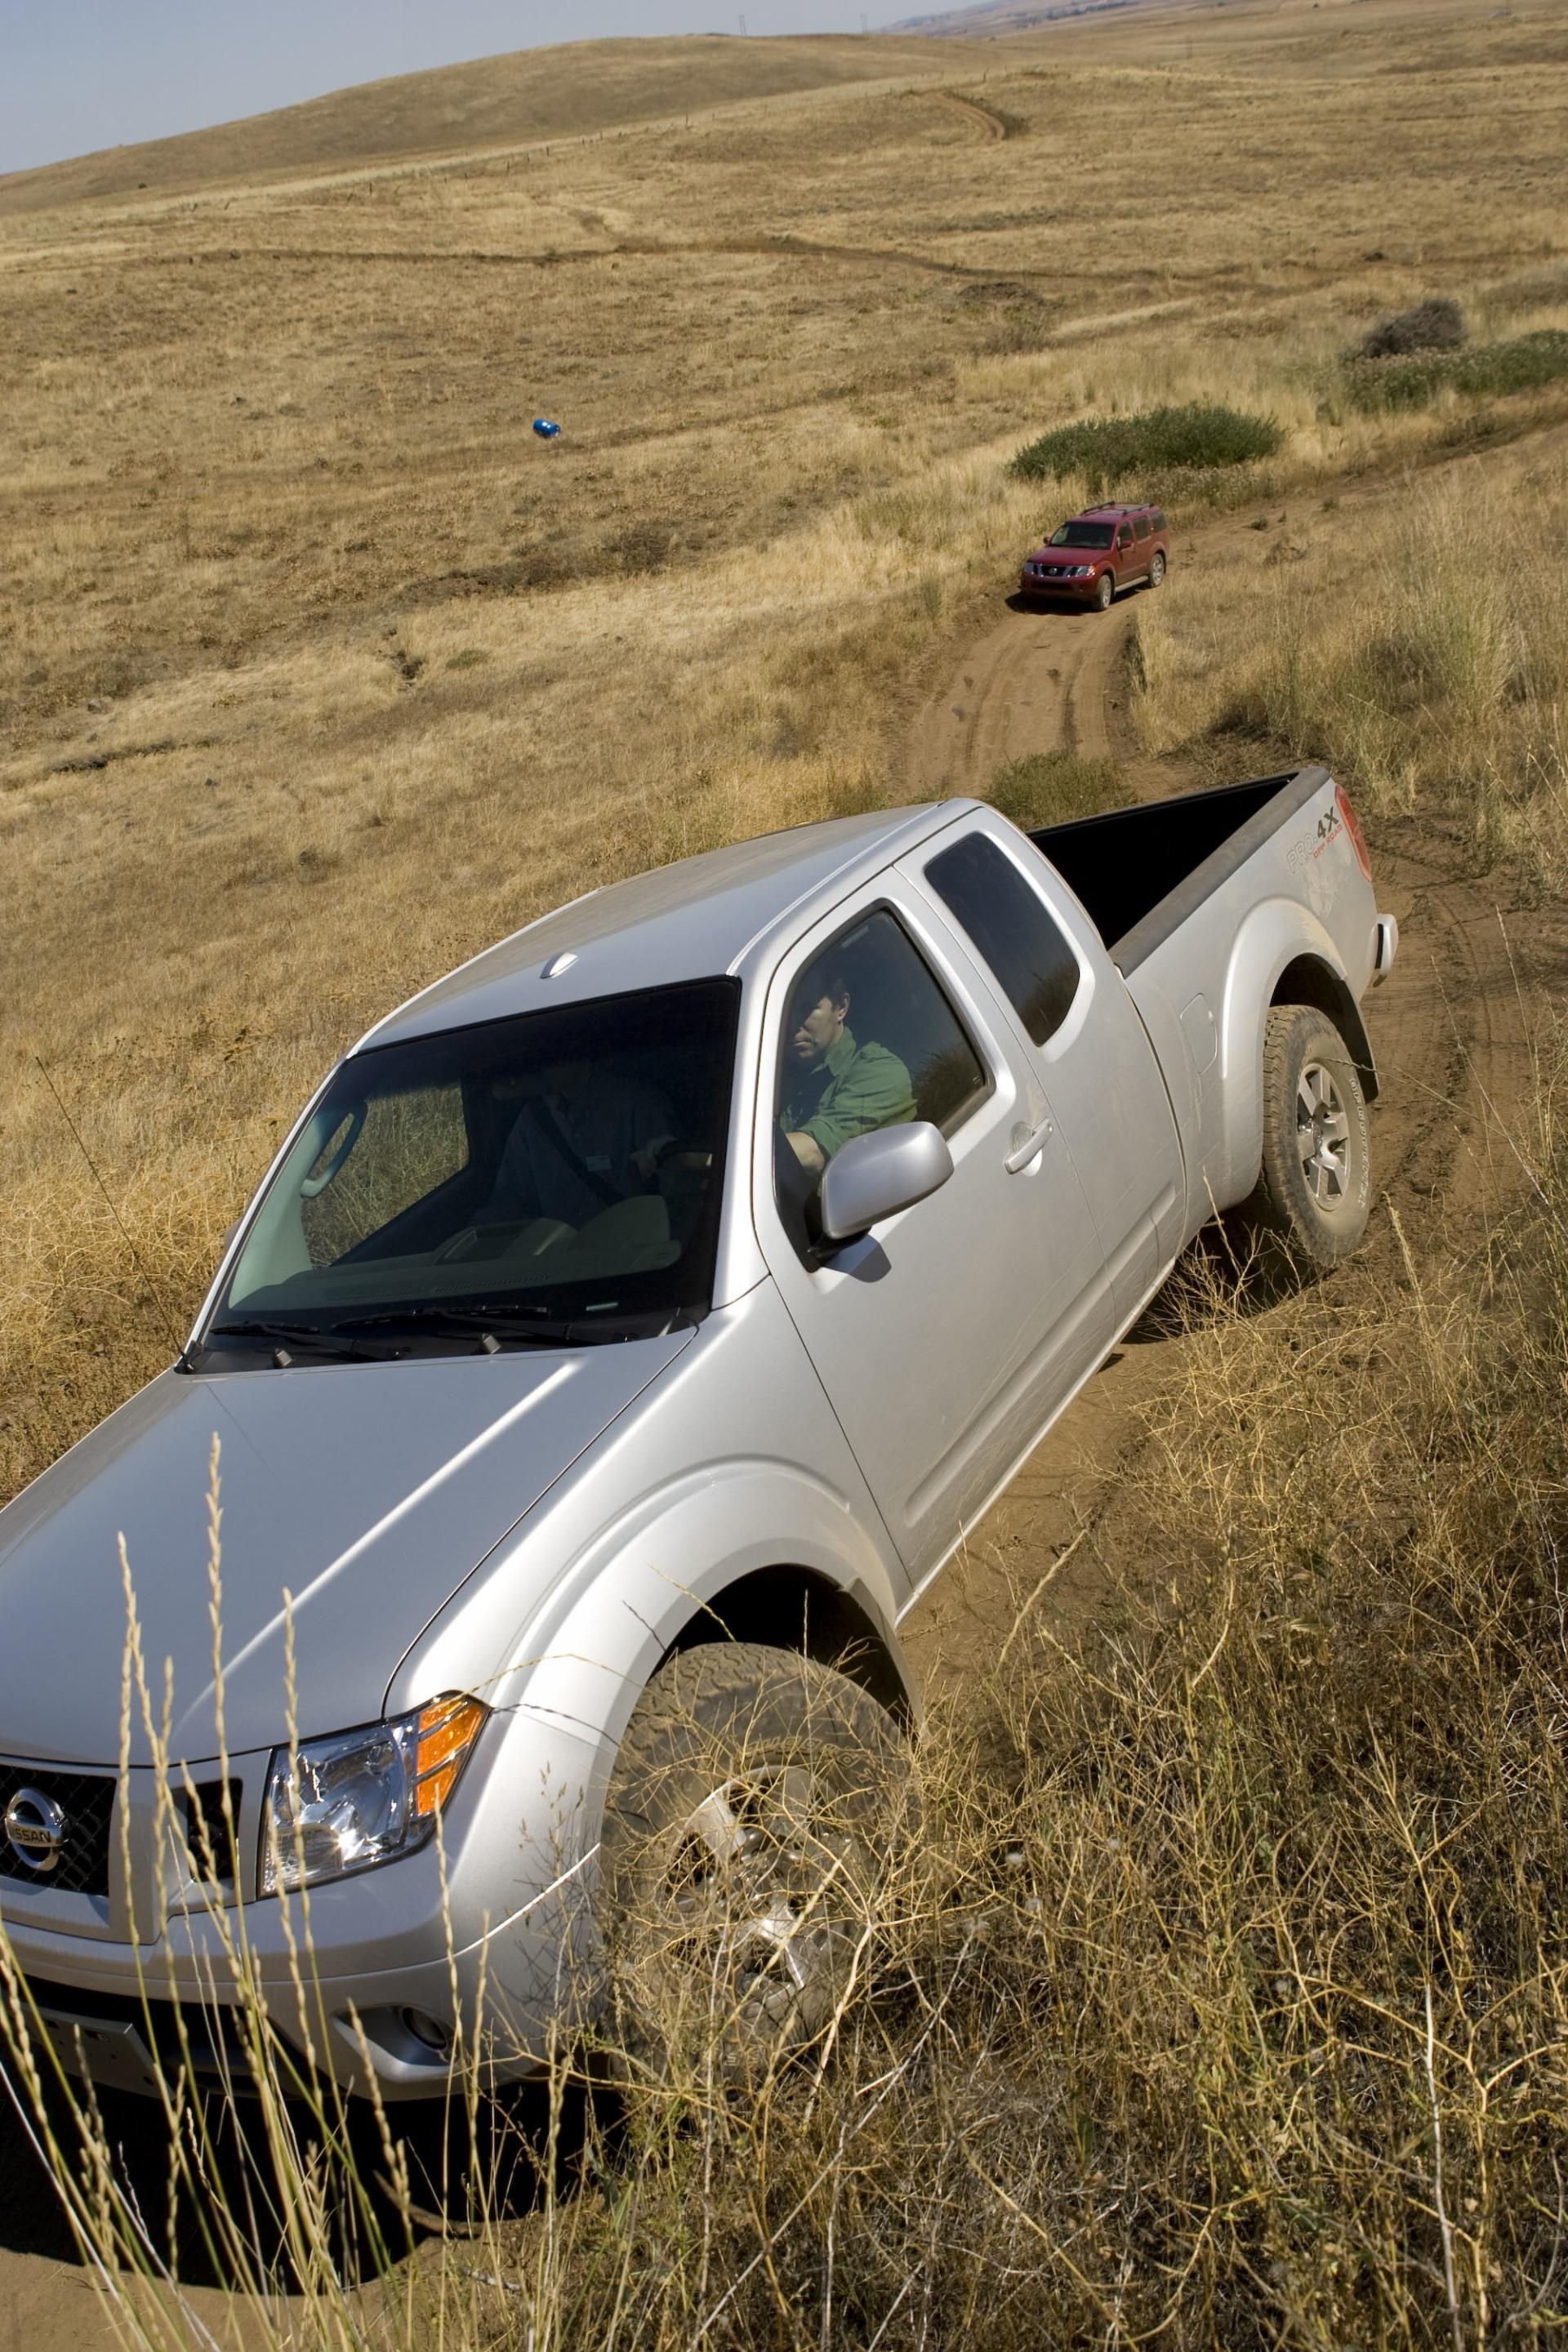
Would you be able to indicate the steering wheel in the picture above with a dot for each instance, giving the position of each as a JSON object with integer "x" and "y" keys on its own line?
{"x": 692, "y": 1152}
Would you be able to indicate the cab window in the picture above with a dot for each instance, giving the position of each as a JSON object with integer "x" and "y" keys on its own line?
{"x": 1124, "y": 536}
{"x": 1011, "y": 927}
{"x": 1140, "y": 527}
{"x": 869, "y": 1040}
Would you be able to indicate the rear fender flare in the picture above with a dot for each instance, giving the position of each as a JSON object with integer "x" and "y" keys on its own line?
{"x": 1282, "y": 954}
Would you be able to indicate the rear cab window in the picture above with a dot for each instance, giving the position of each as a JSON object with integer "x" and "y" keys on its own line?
{"x": 1140, "y": 526}
{"x": 1013, "y": 930}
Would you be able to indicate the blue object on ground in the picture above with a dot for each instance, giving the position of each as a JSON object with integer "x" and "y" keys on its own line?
{"x": 545, "y": 430}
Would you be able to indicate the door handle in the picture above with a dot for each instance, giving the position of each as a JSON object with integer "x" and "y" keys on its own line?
{"x": 1027, "y": 1144}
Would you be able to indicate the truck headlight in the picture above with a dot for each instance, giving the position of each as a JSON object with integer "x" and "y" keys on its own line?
{"x": 359, "y": 1798}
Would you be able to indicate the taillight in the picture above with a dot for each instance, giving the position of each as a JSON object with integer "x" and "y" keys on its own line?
{"x": 1349, "y": 820}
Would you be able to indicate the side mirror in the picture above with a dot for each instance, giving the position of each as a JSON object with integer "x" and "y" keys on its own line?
{"x": 876, "y": 1175}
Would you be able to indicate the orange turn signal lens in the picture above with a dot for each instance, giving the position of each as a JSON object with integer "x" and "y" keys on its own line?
{"x": 447, "y": 1730}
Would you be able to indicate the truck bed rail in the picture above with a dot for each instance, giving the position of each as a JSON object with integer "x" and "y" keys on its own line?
{"x": 1140, "y": 872}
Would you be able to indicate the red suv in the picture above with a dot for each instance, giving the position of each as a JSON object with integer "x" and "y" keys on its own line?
{"x": 1100, "y": 550}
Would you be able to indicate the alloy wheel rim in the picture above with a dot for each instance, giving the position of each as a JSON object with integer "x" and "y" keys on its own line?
{"x": 756, "y": 1907}
{"x": 1323, "y": 1137}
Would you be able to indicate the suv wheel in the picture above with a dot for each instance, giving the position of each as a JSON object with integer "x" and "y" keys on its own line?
{"x": 1104, "y": 589}
{"x": 753, "y": 1799}
{"x": 1157, "y": 569}
{"x": 1314, "y": 1190}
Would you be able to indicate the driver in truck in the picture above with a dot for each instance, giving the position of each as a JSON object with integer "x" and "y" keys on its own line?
{"x": 592, "y": 1137}
{"x": 832, "y": 1087}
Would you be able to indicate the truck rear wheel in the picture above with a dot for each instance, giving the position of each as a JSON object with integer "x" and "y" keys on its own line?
{"x": 1314, "y": 1190}
{"x": 1157, "y": 569}
{"x": 755, "y": 1799}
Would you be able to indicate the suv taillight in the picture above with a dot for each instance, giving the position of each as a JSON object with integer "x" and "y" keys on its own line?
{"x": 1349, "y": 820}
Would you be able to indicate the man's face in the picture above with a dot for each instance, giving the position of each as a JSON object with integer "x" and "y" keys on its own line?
{"x": 816, "y": 1028}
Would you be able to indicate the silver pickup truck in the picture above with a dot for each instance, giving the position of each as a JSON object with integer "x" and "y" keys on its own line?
{"x": 627, "y": 1331}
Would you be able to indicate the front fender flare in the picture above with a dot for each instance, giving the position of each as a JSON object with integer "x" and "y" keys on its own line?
{"x": 578, "y": 1664}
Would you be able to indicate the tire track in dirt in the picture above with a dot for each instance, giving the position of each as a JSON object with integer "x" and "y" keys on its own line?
{"x": 1034, "y": 681}
{"x": 990, "y": 126}
{"x": 1453, "y": 1029}
{"x": 785, "y": 245}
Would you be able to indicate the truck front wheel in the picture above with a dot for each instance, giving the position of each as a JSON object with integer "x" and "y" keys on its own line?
{"x": 1104, "y": 589}
{"x": 752, "y": 1806}
{"x": 1314, "y": 1190}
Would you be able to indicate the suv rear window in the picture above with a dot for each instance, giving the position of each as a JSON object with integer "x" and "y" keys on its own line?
{"x": 1140, "y": 526}
{"x": 1013, "y": 929}
{"x": 1158, "y": 519}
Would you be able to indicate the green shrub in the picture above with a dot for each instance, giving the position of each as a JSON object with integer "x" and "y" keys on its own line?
{"x": 1435, "y": 325}
{"x": 1104, "y": 450}
{"x": 1525, "y": 364}
{"x": 1054, "y": 787}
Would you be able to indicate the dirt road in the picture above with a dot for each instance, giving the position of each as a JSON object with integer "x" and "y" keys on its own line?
{"x": 1038, "y": 679}
{"x": 1451, "y": 1030}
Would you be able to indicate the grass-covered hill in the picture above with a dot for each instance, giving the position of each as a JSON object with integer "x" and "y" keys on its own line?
{"x": 561, "y": 92}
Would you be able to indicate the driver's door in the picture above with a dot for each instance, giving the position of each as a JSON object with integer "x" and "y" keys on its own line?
{"x": 947, "y": 1336}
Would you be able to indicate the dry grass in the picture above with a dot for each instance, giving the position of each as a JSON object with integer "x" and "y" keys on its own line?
{"x": 1395, "y": 639}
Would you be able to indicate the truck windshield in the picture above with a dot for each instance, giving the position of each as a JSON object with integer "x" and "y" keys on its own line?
{"x": 563, "y": 1166}
{"x": 1082, "y": 534}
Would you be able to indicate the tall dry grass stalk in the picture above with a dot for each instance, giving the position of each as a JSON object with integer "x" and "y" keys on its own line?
{"x": 1222, "y": 1999}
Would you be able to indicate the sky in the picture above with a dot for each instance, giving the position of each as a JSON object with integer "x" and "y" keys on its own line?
{"x": 78, "y": 75}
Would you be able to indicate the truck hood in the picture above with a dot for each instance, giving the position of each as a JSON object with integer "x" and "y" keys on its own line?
{"x": 367, "y": 1492}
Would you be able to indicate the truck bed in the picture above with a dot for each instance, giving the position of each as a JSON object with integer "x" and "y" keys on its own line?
{"x": 1140, "y": 872}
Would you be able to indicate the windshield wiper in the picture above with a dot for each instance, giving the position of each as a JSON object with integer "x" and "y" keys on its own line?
{"x": 285, "y": 1336}
{"x": 528, "y": 1325}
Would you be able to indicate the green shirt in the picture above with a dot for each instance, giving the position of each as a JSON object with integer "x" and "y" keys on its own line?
{"x": 851, "y": 1090}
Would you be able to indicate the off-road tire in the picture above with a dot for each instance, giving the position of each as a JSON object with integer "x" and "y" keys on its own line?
{"x": 1157, "y": 569}
{"x": 754, "y": 1801}
{"x": 1314, "y": 1192}
{"x": 1104, "y": 593}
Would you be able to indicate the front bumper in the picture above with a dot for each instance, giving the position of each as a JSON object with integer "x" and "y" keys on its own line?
{"x": 487, "y": 1934}
{"x": 1031, "y": 584}
{"x": 394, "y": 2032}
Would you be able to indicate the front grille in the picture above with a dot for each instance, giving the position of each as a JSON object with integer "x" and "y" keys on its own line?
{"x": 86, "y": 1800}
{"x": 207, "y": 1831}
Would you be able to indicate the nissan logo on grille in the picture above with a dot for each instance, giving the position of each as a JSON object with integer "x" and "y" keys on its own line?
{"x": 36, "y": 1830}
